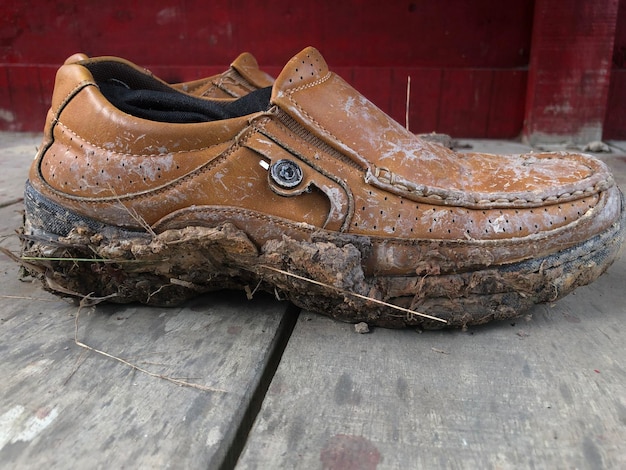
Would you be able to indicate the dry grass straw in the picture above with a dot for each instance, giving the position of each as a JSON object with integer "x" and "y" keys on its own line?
{"x": 407, "y": 311}
{"x": 89, "y": 301}
{"x": 133, "y": 213}
{"x": 408, "y": 102}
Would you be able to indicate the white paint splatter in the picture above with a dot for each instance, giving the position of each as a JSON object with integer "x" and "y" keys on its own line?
{"x": 7, "y": 115}
{"x": 8, "y": 421}
{"x": 15, "y": 427}
{"x": 557, "y": 109}
{"x": 213, "y": 437}
{"x": 167, "y": 15}
{"x": 498, "y": 224}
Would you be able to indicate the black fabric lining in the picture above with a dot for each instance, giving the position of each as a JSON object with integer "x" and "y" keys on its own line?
{"x": 146, "y": 97}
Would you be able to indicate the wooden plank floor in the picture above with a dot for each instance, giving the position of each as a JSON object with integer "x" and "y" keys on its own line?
{"x": 548, "y": 391}
{"x": 65, "y": 406}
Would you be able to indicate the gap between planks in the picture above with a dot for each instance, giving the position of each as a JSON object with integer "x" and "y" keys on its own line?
{"x": 240, "y": 434}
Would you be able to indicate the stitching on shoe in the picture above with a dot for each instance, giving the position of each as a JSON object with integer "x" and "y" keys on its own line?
{"x": 319, "y": 81}
{"x": 598, "y": 187}
{"x": 310, "y": 84}
{"x": 237, "y": 79}
{"x": 299, "y": 132}
{"x": 49, "y": 138}
{"x": 499, "y": 243}
{"x": 405, "y": 242}
{"x": 389, "y": 179}
{"x": 507, "y": 242}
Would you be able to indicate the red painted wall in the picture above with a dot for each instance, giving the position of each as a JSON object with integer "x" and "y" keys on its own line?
{"x": 615, "y": 119}
{"x": 569, "y": 70}
{"x": 467, "y": 60}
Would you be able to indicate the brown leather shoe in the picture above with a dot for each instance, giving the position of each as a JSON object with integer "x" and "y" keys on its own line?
{"x": 242, "y": 77}
{"x": 311, "y": 193}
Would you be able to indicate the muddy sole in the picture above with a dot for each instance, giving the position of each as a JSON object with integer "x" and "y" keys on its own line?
{"x": 323, "y": 276}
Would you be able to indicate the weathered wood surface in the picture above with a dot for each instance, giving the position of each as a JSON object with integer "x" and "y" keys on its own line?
{"x": 65, "y": 406}
{"x": 543, "y": 392}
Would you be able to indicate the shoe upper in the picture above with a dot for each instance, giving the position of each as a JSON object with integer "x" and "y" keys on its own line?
{"x": 318, "y": 160}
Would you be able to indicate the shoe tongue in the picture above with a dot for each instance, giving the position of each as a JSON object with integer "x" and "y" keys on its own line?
{"x": 304, "y": 68}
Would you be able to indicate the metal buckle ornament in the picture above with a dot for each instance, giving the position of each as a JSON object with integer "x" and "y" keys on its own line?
{"x": 286, "y": 173}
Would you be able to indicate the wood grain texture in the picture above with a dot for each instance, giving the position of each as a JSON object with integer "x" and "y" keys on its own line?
{"x": 544, "y": 393}
{"x": 64, "y": 406}
{"x": 548, "y": 392}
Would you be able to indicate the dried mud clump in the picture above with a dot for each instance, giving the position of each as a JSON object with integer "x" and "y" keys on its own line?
{"x": 321, "y": 275}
